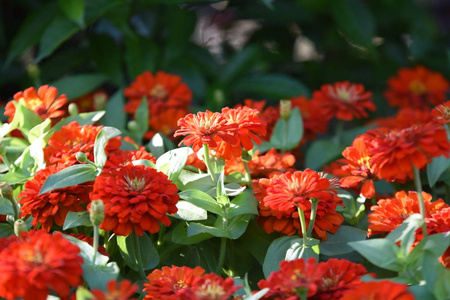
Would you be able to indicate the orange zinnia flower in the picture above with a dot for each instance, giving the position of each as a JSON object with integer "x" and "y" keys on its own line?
{"x": 124, "y": 290}
{"x": 416, "y": 87}
{"x": 36, "y": 263}
{"x": 136, "y": 199}
{"x": 52, "y": 207}
{"x": 310, "y": 111}
{"x": 207, "y": 128}
{"x": 170, "y": 282}
{"x": 281, "y": 193}
{"x": 269, "y": 114}
{"x": 212, "y": 286}
{"x": 356, "y": 169}
{"x": 395, "y": 152}
{"x": 43, "y": 102}
{"x": 121, "y": 158}
{"x": 441, "y": 113}
{"x": 389, "y": 214}
{"x": 344, "y": 100}
{"x": 325, "y": 280}
{"x": 165, "y": 122}
{"x": 379, "y": 290}
{"x": 73, "y": 138}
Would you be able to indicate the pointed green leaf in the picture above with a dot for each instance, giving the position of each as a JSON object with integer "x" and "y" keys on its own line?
{"x": 103, "y": 136}
{"x": 197, "y": 228}
{"x": 203, "y": 200}
{"x": 337, "y": 244}
{"x": 75, "y": 219}
{"x": 69, "y": 176}
{"x": 189, "y": 212}
{"x": 287, "y": 134}
{"x": 172, "y": 162}
{"x": 380, "y": 252}
{"x": 149, "y": 255}
{"x": 436, "y": 168}
{"x": 245, "y": 203}
{"x": 78, "y": 85}
{"x": 74, "y": 10}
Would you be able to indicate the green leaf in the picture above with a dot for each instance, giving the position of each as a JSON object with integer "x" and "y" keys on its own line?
{"x": 237, "y": 225}
{"x": 436, "y": 168}
{"x": 144, "y": 162}
{"x": 74, "y": 10}
{"x": 6, "y": 230}
{"x": 320, "y": 153}
{"x": 380, "y": 252}
{"x": 15, "y": 178}
{"x": 78, "y": 85}
{"x": 279, "y": 248}
{"x": 31, "y": 29}
{"x": 197, "y": 228}
{"x": 87, "y": 252}
{"x": 75, "y": 219}
{"x": 83, "y": 293}
{"x": 406, "y": 233}
{"x": 267, "y": 3}
{"x": 38, "y": 130}
{"x": 278, "y": 86}
{"x": 194, "y": 181}
{"x": 69, "y": 176}
{"x": 24, "y": 119}
{"x": 160, "y": 144}
{"x": 106, "y": 54}
{"x": 6, "y": 207}
{"x": 97, "y": 276}
{"x": 103, "y": 136}
{"x": 115, "y": 115}
{"x": 180, "y": 235}
{"x": 245, "y": 203}
{"x": 189, "y": 212}
{"x": 149, "y": 255}
{"x": 337, "y": 244}
{"x": 172, "y": 162}
{"x": 141, "y": 117}
{"x": 435, "y": 243}
{"x": 203, "y": 200}
{"x": 442, "y": 287}
{"x": 239, "y": 63}
{"x": 287, "y": 134}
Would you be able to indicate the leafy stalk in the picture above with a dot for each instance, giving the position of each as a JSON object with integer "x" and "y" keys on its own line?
{"x": 301, "y": 214}
{"x": 137, "y": 247}
{"x": 418, "y": 184}
{"x": 312, "y": 218}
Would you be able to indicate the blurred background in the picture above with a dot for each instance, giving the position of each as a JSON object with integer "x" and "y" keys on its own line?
{"x": 225, "y": 51}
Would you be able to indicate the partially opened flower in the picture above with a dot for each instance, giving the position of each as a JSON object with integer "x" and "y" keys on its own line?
{"x": 37, "y": 264}
{"x": 416, "y": 87}
{"x": 136, "y": 198}
{"x": 397, "y": 151}
{"x": 73, "y": 138}
{"x": 344, "y": 100}
{"x": 441, "y": 113}
{"x": 51, "y": 208}
{"x": 170, "y": 282}
{"x": 124, "y": 290}
{"x": 284, "y": 194}
{"x": 379, "y": 290}
{"x": 390, "y": 213}
{"x": 43, "y": 102}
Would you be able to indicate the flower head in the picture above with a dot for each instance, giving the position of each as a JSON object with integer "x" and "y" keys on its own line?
{"x": 441, "y": 113}
{"x": 344, "y": 100}
{"x": 52, "y": 207}
{"x": 121, "y": 158}
{"x": 283, "y": 193}
{"x": 406, "y": 117}
{"x": 213, "y": 287}
{"x": 43, "y": 102}
{"x": 36, "y": 263}
{"x": 379, "y": 290}
{"x": 269, "y": 114}
{"x": 416, "y": 87}
{"x": 117, "y": 291}
{"x": 136, "y": 198}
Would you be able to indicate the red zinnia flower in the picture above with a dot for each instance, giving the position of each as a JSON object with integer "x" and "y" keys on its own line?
{"x": 136, "y": 199}
{"x": 170, "y": 282}
{"x": 207, "y": 127}
{"x": 121, "y": 158}
{"x": 389, "y": 214}
{"x": 344, "y": 100}
{"x": 36, "y": 263}
{"x": 356, "y": 168}
{"x": 165, "y": 122}
{"x": 117, "y": 291}
{"x": 395, "y": 152}
{"x": 379, "y": 290}
{"x": 270, "y": 115}
{"x": 439, "y": 222}
{"x": 416, "y": 87}
{"x": 52, "y": 207}
{"x": 441, "y": 113}
{"x": 283, "y": 192}
{"x": 212, "y": 286}
{"x": 42, "y": 102}
{"x": 64, "y": 144}
{"x": 406, "y": 117}
{"x": 310, "y": 111}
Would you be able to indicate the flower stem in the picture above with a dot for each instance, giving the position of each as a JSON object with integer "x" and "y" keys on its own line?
{"x": 137, "y": 247}
{"x": 223, "y": 247}
{"x": 95, "y": 246}
{"x": 208, "y": 162}
{"x": 312, "y": 218}
{"x": 301, "y": 214}
{"x": 248, "y": 177}
{"x": 418, "y": 185}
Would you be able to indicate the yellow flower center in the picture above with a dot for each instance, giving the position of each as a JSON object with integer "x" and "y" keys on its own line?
{"x": 417, "y": 87}
{"x": 135, "y": 184}
{"x": 158, "y": 91}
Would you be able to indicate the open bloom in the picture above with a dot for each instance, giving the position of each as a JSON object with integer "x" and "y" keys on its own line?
{"x": 52, "y": 207}
{"x": 73, "y": 138}
{"x": 406, "y": 117}
{"x": 379, "y": 290}
{"x": 121, "y": 158}
{"x": 43, "y": 102}
{"x": 441, "y": 113}
{"x": 36, "y": 263}
{"x": 390, "y": 213}
{"x": 212, "y": 286}
{"x": 397, "y": 151}
{"x": 344, "y": 100}
{"x": 136, "y": 198}
{"x": 281, "y": 194}
{"x": 124, "y": 290}
{"x": 416, "y": 87}
{"x": 269, "y": 114}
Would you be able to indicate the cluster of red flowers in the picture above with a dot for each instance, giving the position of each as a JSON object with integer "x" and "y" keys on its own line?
{"x": 168, "y": 100}
{"x": 281, "y": 195}
{"x": 175, "y": 283}
{"x": 332, "y": 279}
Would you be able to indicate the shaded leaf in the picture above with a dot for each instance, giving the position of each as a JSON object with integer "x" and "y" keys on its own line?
{"x": 337, "y": 244}
{"x": 75, "y": 219}
{"x": 436, "y": 168}
{"x": 78, "y": 85}
{"x": 127, "y": 247}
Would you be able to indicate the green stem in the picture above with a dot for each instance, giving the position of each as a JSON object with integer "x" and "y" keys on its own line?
{"x": 95, "y": 246}
{"x": 160, "y": 241}
{"x": 137, "y": 248}
{"x": 339, "y": 130}
{"x": 301, "y": 214}
{"x": 312, "y": 218}
{"x": 248, "y": 177}
{"x": 418, "y": 185}
{"x": 208, "y": 162}
{"x": 223, "y": 246}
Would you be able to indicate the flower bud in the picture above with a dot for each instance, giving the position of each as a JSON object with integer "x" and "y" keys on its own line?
{"x": 133, "y": 125}
{"x": 81, "y": 157}
{"x": 6, "y": 191}
{"x": 285, "y": 109}
{"x": 97, "y": 212}
{"x": 19, "y": 226}
{"x": 73, "y": 109}
{"x": 100, "y": 101}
